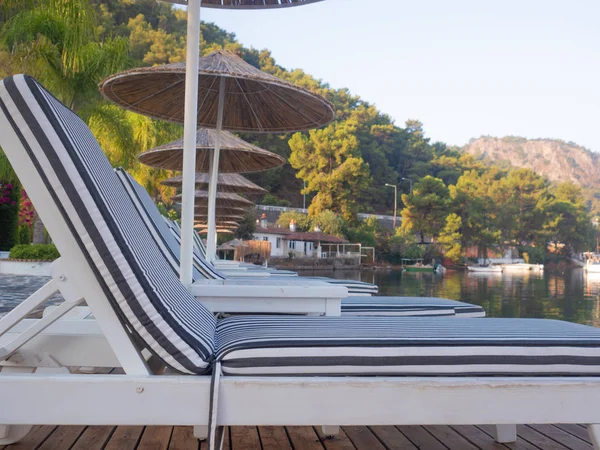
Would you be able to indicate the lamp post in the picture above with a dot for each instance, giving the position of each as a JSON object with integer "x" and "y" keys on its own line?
{"x": 408, "y": 179}
{"x": 395, "y": 200}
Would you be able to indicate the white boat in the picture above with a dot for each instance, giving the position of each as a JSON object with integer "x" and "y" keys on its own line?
{"x": 490, "y": 268}
{"x": 592, "y": 264}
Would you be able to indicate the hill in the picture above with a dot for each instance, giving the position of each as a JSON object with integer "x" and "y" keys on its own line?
{"x": 554, "y": 159}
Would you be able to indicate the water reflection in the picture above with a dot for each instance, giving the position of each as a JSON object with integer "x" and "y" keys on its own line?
{"x": 572, "y": 295}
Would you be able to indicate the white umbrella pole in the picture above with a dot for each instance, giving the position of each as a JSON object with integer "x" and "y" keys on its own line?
{"x": 189, "y": 142}
{"x": 211, "y": 235}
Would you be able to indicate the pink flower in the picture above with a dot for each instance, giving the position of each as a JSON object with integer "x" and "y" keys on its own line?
{"x": 9, "y": 186}
{"x": 13, "y": 203}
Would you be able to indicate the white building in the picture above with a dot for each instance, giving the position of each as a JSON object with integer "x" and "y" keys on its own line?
{"x": 300, "y": 244}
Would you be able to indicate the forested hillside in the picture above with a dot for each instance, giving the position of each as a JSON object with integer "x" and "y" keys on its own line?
{"x": 71, "y": 45}
{"x": 554, "y": 159}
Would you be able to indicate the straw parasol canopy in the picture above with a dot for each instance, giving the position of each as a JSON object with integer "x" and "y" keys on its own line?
{"x": 223, "y": 224}
{"x": 202, "y": 216}
{"x": 247, "y": 4}
{"x": 221, "y": 210}
{"x": 223, "y": 199}
{"x": 218, "y": 230}
{"x": 237, "y": 155}
{"x": 254, "y": 101}
{"x": 226, "y": 182}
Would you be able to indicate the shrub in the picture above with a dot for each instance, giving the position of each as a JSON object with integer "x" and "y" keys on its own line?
{"x": 24, "y": 236}
{"x": 41, "y": 252}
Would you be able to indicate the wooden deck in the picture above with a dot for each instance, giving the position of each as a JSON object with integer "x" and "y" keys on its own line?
{"x": 531, "y": 437}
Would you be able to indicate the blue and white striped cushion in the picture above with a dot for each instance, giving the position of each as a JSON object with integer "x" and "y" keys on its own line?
{"x": 254, "y": 345}
{"x": 408, "y": 306}
{"x": 133, "y": 272}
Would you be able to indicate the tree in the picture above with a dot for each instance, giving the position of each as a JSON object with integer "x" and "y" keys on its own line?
{"x": 303, "y": 222}
{"x": 247, "y": 226}
{"x": 54, "y": 41}
{"x": 426, "y": 208}
{"x": 329, "y": 222}
{"x": 450, "y": 237}
{"x": 329, "y": 162}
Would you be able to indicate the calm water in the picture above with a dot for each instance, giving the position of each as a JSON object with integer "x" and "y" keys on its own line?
{"x": 572, "y": 296}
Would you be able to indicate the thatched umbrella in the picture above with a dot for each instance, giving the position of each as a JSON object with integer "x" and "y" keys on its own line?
{"x": 220, "y": 223}
{"x": 237, "y": 155}
{"x": 233, "y": 95}
{"x": 220, "y": 210}
{"x": 223, "y": 199}
{"x": 191, "y": 109}
{"x": 203, "y": 217}
{"x": 226, "y": 182}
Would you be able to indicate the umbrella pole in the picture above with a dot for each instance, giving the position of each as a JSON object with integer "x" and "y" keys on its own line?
{"x": 211, "y": 235}
{"x": 189, "y": 142}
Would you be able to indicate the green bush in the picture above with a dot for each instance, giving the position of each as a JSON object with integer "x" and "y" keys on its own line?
{"x": 40, "y": 252}
{"x": 24, "y": 236}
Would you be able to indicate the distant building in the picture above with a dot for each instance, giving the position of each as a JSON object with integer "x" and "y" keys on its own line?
{"x": 285, "y": 241}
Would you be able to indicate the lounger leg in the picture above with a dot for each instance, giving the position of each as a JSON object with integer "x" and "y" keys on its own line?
{"x": 505, "y": 433}
{"x": 330, "y": 430}
{"x": 201, "y": 432}
{"x": 594, "y": 432}
{"x": 9, "y": 434}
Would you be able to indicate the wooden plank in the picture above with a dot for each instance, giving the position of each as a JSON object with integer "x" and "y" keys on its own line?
{"x": 304, "y": 438}
{"x": 363, "y": 438}
{"x": 421, "y": 438}
{"x": 566, "y": 439}
{"x": 245, "y": 438}
{"x": 155, "y": 438}
{"x": 392, "y": 438}
{"x": 183, "y": 439}
{"x": 94, "y": 438}
{"x": 450, "y": 438}
{"x": 36, "y": 437}
{"x": 338, "y": 442}
{"x": 274, "y": 438}
{"x": 575, "y": 430}
{"x": 538, "y": 439}
{"x": 478, "y": 437}
{"x": 124, "y": 438}
{"x": 63, "y": 437}
{"x": 521, "y": 444}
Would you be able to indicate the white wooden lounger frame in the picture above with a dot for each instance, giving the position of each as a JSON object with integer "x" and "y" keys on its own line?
{"x": 35, "y": 387}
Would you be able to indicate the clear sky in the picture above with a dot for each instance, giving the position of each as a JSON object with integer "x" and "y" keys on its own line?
{"x": 465, "y": 68}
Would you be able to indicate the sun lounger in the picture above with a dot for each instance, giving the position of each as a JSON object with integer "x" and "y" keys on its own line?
{"x": 251, "y": 370}
{"x": 352, "y": 305}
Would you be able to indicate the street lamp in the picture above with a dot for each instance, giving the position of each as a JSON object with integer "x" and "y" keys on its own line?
{"x": 395, "y": 200}
{"x": 408, "y": 179}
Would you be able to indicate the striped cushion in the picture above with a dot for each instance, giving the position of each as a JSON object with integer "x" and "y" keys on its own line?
{"x": 148, "y": 210}
{"x": 408, "y": 306}
{"x": 255, "y": 345}
{"x": 133, "y": 272}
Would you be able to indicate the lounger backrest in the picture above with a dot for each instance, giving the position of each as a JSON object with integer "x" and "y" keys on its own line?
{"x": 156, "y": 223}
{"x": 147, "y": 208}
{"x": 134, "y": 275}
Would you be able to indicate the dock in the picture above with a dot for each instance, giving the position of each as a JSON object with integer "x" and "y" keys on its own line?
{"x": 531, "y": 437}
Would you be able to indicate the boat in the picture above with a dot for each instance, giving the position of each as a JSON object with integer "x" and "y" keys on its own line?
{"x": 489, "y": 268}
{"x": 592, "y": 263}
{"x": 418, "y": 266}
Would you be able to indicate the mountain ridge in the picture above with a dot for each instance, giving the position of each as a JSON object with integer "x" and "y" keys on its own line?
{"x": 555, "y": 159}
